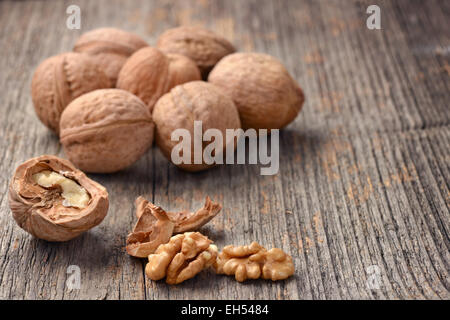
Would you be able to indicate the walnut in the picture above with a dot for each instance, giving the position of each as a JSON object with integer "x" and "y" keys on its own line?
{"x": 54, "y": 201}
{"x": 253, "y": 262}
{"x": 60, "y": 79}
{"x": 184, "y": 256}
{"x": 110, "y": 47}
{"x": 152, "y": 229}
{"x": 146, "y": 75}
{"x": 155, "y": 226}
{"x": 181, "y": 70}
{"x": 265, "y": 94}
{"x": 185, "y": 104}
{"x": 203, "y": 46}
{"x": 106, "y": 130}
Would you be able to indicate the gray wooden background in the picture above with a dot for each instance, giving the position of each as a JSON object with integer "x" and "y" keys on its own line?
{"x": 364, "y": 169}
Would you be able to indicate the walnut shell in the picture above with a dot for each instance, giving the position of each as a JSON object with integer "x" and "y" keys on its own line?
{"x": 152, "y": 229}
{"x": 181, "y": 70}
{"x": 145, "y": 74}
{"x": 110, "y": 47}
{"x": 189, "y": 102}
{"x": 41, "y": 211}
{"x": 60, "y": 79}
{"x": 203, "y": 46}
{"x": 155, "y": 226}
{"x": 106, "y": 130}
{"x": 266, "y": 96}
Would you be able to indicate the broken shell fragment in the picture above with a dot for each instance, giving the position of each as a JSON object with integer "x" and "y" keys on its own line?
{"x": 54, "y": 201}
{"x": 155, "y": 226}
{"x": 189, "y": 221}
{"x": 152, "y": 229}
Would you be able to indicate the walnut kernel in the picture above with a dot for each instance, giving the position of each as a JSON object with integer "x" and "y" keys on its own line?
{"x": 253, "y": 262}
{"x": 184, "y": 256}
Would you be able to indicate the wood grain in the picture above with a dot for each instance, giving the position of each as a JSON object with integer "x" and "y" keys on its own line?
{"x": 364, "y": 170}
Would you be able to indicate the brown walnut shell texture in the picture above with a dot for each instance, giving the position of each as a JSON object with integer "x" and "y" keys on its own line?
{"x": 152, "y": 229}
{"x": 60, "y": 79}
{"x": 189, "y": 102}
{"x": 266, "y": 96}
{"x": 110, "y": 47}
{"x": 39, "y": 210}
{"x": 203, "y": 46}
{"x": 155, "y": 226}
{"x": 181, "y": 70}
{"x": 106, "y": 130}
{"x": 146, "y": 75}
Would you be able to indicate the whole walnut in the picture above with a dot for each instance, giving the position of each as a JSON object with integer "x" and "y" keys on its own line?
{"x": 110, "y": 47}
{"x": 266, "y": 96}
{"x": 149, "y": 73}
{"x": 181, "y": 70}
{"x": 203, "y": 46}
{"x": 60, "y": 79}
{"x": 54, "y": 201}
{"x": 185, "y": 104}
{"x": 146, "y": 75}
{"x": 106, "y": 130}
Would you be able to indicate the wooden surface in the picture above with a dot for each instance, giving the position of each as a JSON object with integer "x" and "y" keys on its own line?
{"x": 364, "y": 170}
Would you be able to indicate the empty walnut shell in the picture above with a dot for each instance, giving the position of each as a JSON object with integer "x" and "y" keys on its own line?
{"x": 203, "y": 46}
{"x": 106, "y": 130}
{"x": 189, "y": 102}
{"x": 42, "y": 212}
{"x": 181, "y": 70}
{"x": 155, "y": 226}
{"x": 146, "y": 75}
{"x": 152, "y": 229}
{"x": 266, "y": 96}
{"x": 60, "y": 79}
{"x": 110, "y": 47}
{"x": 192, "y": 220}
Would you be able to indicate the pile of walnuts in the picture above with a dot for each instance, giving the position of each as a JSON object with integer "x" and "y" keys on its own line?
{"x": 109, "y": 98}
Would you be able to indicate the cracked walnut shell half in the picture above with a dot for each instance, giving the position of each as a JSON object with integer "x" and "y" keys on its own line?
{"x": 106, "y": 130}
{"x": 155, "y": 226}
{"x": 152, "y": 229}
{"x": 59, "y": 80}
{"x": 253, "y": 262}
{"x": 54, "y": 201}
{"x": 184, "y": 256}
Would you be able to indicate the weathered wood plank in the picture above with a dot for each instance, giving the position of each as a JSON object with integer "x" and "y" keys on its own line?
{"x": 364, "y": 170}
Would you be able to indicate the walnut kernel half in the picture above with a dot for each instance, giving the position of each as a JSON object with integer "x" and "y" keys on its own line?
{"x": 184, "y": 256}
{"x": 253, "y": 262}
